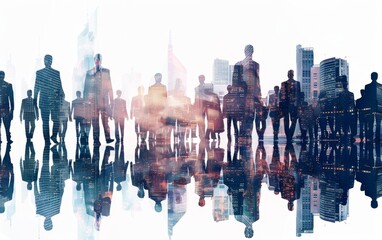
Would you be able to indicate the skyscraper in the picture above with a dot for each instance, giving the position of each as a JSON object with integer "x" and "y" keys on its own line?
{"x": 304, "y": 216}
{"x": 314, "y": 83}
{"x": 222, "y": 76}
{"x": 176, "y": 70}
{"x": 330, "y": 69}
{"x": 304, "y": 61}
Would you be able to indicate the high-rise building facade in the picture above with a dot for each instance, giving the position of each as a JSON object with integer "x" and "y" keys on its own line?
{"x": 315, "y": 83}
{"x": 330, "y": 70}
{"x": 304, "y": 63}
{"x": 222, "y": 76}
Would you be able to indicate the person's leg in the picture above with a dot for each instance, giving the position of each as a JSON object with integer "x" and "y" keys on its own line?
{"x": 27, "y": 131}
{"x": 7, "y": 126}
{"x": 105, "y": 124}
{"x": 116, "y": 129}
{"x": 32, "y": 128}
{"x": 45, "y": 123}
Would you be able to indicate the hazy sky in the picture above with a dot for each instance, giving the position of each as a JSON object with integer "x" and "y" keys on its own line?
{"x": 134, "y": 35}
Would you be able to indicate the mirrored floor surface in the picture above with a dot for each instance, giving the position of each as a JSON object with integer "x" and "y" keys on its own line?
{"x": 188, "y": 189}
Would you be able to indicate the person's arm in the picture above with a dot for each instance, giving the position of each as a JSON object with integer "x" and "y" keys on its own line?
{"x": 126, "y": 115}
{"x": 36, "y": 88}
{"x": 21, "y": 110}
{"x": 132, "y": 108}
{"x": 35, "y": 109}
{"x": 69, "y": 112}
{"x": 11, "y": 100}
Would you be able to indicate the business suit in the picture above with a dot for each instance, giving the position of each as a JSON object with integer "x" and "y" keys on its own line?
{"x": 119, "y": 115}
{"x": 99, "y": 92}
{"x": 248, "y": 71}
{"x": 7, "y": 106}
{"x": 29, "y": 113}
{"x": 48, "y": 85}
{"x": 290, "y": 94}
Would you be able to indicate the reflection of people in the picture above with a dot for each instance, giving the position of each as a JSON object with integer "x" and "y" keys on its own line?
{"x": 7, "y": 179}
{"x": 99, "y": 92}
{"x": 47, "y": 85}
{"x": 29, "y": 167}
{"x": 119, "y": 115}
{"x": 29, "y": 113}
{"x": 290, "y": 94}
{"x": 7, "y": 105}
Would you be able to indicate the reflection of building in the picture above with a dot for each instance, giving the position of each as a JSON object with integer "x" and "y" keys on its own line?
{"x": 177, "y": 205}
{"x": 330, "y": 69}
{"x": 314, "y": 195}
{"x": 176, "y": 70}
{"x": 304, "y": 216}
{"x": 330, "y": 208}
{"x": 222, "y": 206}
{"x": 222, "y": 76}
{"x": 314, "y": 83}
{"x": 304, "y": 61}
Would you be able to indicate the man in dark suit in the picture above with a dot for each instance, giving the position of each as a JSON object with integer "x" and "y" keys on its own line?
{"x": 373, "y": 92}
{"x": 248, "y": 71}
{"x": 290, "y": 100}
{"x": 119, "y": 115}
{"x": 7, "y": 105}
{"x": 99, "y": 92}
{"x": 48, "y": 85}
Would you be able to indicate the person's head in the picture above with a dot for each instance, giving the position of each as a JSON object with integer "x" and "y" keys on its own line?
{"x": 290, "y": 74}
{"x": 29, "y": 93}
{"x": 98, "y": 59}
{"x": 202, "y": 202}
{"x": 48, "y": 224}
{"x": 158, "y": 77}
{"x": 78, "y": 187}
{"x": 158, "y": 206}
{"x": 374, "y": 204}
{"x": 119, "y": 93}
{"x": 248, "y": 50}
{"x": 248, "y": 232}
{"x": 140, "y": 90}
{"x": 48, "y": 59}
{"x": 290, "y": 206}
{"x": 374, "y": 76}
{"x": 202, "y": 78}
{"x": 78, "y": 94}
{"x": 29, "y": 186}
{"x": 276, "y": 89}
{"x": 229, "y": 88}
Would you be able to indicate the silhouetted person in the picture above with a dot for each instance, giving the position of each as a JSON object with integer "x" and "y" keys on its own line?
{"x": 7, "y": 105}
{"x": 275, "y": 112}
{"x": 200, "y": 106}
{"x": 98, "y": 91}
{"x": 373, "y": 92}
{"x": 63, "y": 117}
{"x": 29, "y": 167}
{"x": 215, "y": 124}
{"x": 261, "y": 120}
{"x": 156, "y": 104}
{"x": 137, "y": 111}
{"x": 29, "y": 113}
{"x": 119, "y": 115}
{"x": 346, "y": 107}
{"x": 248, "y": 71}
{"x": 228, "y": 113}
{"x": 7, "y": 179}
{"x": 47, "y": 85}
{"x": 290, "y": 94}
{"x": 326, "y": 117}
{"x": 77, "y": 112}
{"x": 364, "y": 113}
